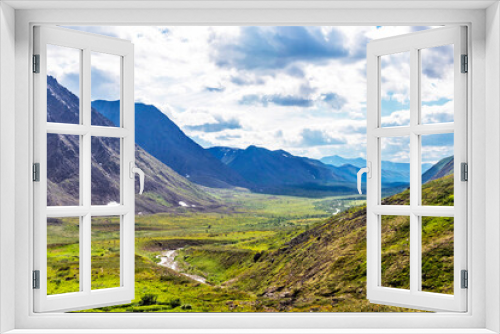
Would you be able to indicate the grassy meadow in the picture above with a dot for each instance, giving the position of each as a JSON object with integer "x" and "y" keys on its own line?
{"x": 218, "y": 246}
{"x": 263, "y": 253}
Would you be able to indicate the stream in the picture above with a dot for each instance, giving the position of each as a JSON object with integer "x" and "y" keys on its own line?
{"x": 168, "y": 260}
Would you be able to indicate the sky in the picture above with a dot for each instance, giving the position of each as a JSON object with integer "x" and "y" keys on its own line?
{"x": 301, "y": 89}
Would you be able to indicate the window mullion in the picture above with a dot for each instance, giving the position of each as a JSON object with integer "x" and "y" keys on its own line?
{"x": 86, "y": 159}
{"x": 415, "y": 246}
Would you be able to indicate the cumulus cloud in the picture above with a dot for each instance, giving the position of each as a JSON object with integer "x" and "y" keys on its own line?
{"x": 277, "y": 47}
{"x": 312, "y": 137}
{"x": 217, "y": 126}
{"x": 286, "y": 101}
{"x": 275, "y": 87}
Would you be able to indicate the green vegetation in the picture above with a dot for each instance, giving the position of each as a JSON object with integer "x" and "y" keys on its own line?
{"x": 265, "y": 254}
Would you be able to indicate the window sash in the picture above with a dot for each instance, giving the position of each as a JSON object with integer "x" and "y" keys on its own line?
{"x": 415, "y": 298}
{"x": 86, "y": 297}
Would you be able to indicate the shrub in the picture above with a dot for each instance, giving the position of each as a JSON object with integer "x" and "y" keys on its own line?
{"x": 186, "y": 307}
{"x": 148, "y": 299}
{"x": 175, "y": 303}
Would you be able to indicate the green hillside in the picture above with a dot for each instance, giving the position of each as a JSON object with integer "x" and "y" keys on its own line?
{"x": 276, "y": 254}
{"x": 324, "y": 268}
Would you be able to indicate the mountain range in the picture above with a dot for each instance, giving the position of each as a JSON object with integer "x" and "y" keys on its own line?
{"x": 164, "y": 188}
{"x": 163, "y": 139}
{"x": 175, "y": 165}
{"x": 400, "y": 167}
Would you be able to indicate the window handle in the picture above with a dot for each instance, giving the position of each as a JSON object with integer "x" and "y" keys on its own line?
{"x": 136, "y": 170}
{"x": 368, "y": 171}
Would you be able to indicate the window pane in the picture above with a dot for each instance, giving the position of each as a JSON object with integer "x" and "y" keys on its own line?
{"x": 63, "y": 84}
{"x": 395, "y": 89}
{"x": 105, "y": 252}
{"x": 395, "y": 170}
{"x": 437, "y": 84}
{"x": 437, "y": 254}
{"x": 105, "y": 86}
{"x": 63, "y": 170}
{"x": 63, "y": 255}
{"x": 395, "y": 251}
{"x": 438, "y": 181}
{"x": 105, "y": 171}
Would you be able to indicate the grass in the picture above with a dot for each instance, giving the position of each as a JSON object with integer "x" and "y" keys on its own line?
{"x": 265, "y": 254}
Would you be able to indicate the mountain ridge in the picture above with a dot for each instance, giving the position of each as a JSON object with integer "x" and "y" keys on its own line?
{"x": 164, "y": 188}
{"x": 164, "y": 140}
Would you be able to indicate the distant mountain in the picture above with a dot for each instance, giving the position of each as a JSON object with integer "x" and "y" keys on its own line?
{"x": 269, "y": 170}
{"x": 164, "y": 188}
{"x": 442, "y": 168}
{"x": 266, "y": 168}
{"x": 163, "y": 139}
{"x": 403, "y": 168}
{"x": 338, "y": 161}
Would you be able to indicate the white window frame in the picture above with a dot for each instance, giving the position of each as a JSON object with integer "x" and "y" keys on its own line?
{"x": 86, "y": 44}
{"x": 484, "y": 49}
{"x": 414, "y": 296}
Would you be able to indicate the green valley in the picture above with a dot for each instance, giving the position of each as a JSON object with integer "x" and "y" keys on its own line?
{"x": 265, "y": 254}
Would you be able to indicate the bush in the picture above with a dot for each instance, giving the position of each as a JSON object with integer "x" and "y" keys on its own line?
{"x": 175, "y": 303}
{"x": 186, "y": 307}
{"x": 148, "y": 299}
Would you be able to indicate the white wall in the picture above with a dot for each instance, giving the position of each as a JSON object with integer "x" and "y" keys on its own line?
{"x": 7, "y": 160}
{"x": 492, "y": 165}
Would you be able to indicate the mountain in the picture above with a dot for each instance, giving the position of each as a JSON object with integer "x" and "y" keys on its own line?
{"x": 442, "y": 168}
{"x": 283, "y": 173}
{"x": 324, "y": 267}
{"x": 266, "y": 168}
{"x": 403, "y": 168}
{"x": 338, "y": 161}
{"x": 163, "y": 139}
{"x": 164, "y": 189}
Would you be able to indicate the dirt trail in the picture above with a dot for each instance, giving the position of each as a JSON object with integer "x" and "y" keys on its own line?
{"x": 168, "y": 260}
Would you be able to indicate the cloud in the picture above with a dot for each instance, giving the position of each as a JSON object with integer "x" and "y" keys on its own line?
{"x": 437, "y": 147}
{"x": 311, "y": 137}
{"x": 333, "y": 100}
{"x": 285, "y": 101}
{"x": 246, "y": 80}
{"x": 438, "y": 113}
{"x": 218, "y": 126}
{"x": 277, "y": 47}
{"x": 105, "y": 77}
{"x": 295, "y": 71}
{"x": 215, "y": 89}
{"x": 437, "y": 61}
{"x": 396, "y": 149}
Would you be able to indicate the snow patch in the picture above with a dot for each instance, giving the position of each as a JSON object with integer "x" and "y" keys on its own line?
{"x": 113, "y": 203}
{"x": 181, "y": 203}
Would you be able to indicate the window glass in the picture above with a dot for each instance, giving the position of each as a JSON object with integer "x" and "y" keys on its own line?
{"x": 63, "y": 83}
{"x": 63, "y": 170}
{"x": 106, "y": 252}
{"x": 63, "y": 255}
{"x": 395, "y": 89}
{"x": 437, "y": 84}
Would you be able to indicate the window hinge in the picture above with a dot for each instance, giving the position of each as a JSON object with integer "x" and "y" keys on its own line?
{"x": 36, "y": 63}
{"x": 465, "y": 279}
{"x": 464, "y": 171}
{"x": 36, "y": 279}
{"x": 36, "y": 172}
{"x": 465, "y": 64}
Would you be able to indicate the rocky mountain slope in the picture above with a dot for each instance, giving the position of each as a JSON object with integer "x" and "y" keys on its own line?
{"x": 442, "y": 168}
{"x": 164, "y": 189}
{"x": 163, "y": 139}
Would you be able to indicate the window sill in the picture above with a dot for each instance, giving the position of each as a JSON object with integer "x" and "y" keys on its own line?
{"x": 251, "y": 331}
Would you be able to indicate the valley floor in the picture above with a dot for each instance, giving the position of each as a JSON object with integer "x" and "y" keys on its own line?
{"x": 267, "y": 254}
